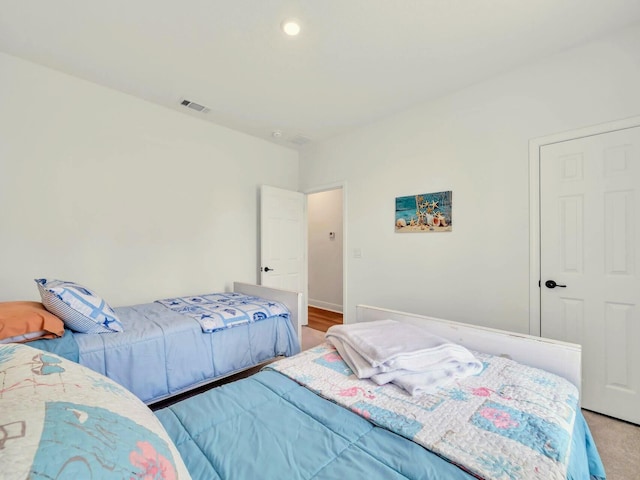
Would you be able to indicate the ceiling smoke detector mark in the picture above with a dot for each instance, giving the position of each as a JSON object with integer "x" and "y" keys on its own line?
{"x": 194, "y": 106}
{"x": 300, "y": 140}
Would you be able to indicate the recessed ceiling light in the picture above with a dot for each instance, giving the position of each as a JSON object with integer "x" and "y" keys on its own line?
{"x": 291, "y": 27}
{"x": 276, "y": 134}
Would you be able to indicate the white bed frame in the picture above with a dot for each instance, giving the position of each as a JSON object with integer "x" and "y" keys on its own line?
{"x": 562, "y": 358}
{"x": 292, "y": 300}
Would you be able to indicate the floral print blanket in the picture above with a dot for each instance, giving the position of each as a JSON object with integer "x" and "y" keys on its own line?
{"x": 510, "y": 421}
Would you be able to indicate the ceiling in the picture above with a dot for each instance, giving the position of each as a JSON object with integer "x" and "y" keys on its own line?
{"x": 354, "y": 62}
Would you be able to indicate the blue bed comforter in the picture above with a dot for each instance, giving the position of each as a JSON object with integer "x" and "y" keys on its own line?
{"x": 162, "y": 353}
{"x": 269, "y": 427}
{"x": 65, "y": 346}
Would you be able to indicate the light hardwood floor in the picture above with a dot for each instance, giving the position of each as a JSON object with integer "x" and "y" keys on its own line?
{"x": 321, "y": 320}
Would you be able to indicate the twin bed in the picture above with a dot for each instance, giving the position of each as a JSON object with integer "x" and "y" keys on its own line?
{"x": 307, "y": 417}
{"x": 163, "y": 352}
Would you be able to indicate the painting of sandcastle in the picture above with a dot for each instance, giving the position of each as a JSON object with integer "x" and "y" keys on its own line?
{"x": 426, "y": 212}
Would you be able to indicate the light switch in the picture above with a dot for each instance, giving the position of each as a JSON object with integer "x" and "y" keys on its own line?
{"x": 357, "y": 253}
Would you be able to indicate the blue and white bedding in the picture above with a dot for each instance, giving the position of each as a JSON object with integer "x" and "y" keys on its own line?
{"x": 217, "y": 311}
{"x": 269, "y": 426}
{"x": 61, "y": 420}
{"x": 162, "y": 353}
{"x": 508, "y": 421}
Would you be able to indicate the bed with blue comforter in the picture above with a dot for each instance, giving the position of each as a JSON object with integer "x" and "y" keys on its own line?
{"x": 308, "y": 417}
{"x": 174, "y": 345}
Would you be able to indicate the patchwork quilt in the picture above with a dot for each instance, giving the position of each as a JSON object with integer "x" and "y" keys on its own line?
{"x": 61, "y": 420}
{"x": 510, "y": 421}
{"x": 217, "y": 311}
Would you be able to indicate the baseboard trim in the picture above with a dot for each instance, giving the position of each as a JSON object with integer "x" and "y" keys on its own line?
{"x": 332, "y": 307}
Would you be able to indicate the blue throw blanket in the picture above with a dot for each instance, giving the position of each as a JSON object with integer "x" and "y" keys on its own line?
{"x": 217, "y": 311}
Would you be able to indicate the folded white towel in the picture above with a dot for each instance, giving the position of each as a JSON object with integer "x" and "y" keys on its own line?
{"x": 429, "y": 381}
{"x": 356, "y": 362}
{"x": 408, "y": 356}
{"x": 394, "y": 345}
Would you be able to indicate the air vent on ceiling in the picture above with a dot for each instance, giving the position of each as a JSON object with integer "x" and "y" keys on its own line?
{"x": 299, "y": 140}
{"x": 194, "y": 106}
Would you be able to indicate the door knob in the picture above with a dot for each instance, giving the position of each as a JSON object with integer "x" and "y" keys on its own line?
{"x": 267, "y": 269}
{"x": 552, "y": 284}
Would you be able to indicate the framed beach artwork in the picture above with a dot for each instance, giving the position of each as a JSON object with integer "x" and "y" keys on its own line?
{"x": 426, "y": 212}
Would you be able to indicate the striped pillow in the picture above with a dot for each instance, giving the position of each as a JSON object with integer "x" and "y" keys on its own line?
{"x": 79, "y": 308}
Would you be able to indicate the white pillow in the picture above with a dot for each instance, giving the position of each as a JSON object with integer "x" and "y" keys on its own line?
{"x": 79, "y": 308}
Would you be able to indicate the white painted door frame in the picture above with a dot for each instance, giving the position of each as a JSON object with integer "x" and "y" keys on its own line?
{"x": 534, "y": 204}
{"x": 345, "y": 244}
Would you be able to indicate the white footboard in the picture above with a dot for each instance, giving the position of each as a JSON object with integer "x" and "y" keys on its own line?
{"x": 292, "y": 300}
{"x": 557, "y": 357}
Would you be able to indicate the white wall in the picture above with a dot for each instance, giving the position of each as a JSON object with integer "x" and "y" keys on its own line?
{"x": 475, "y": 143}
{"x": 324, "y": 210}
{"x": 136, "y": 201}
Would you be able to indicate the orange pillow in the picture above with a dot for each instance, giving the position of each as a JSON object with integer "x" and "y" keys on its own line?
{"x": 24, "y": 321}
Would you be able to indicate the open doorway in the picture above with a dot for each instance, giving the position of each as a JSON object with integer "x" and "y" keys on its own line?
{"x": 325, "y": 211}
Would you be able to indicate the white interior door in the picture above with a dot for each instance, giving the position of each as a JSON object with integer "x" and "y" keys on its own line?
{"x": 589, "y": 242}
{"x": 282, "y": 242}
